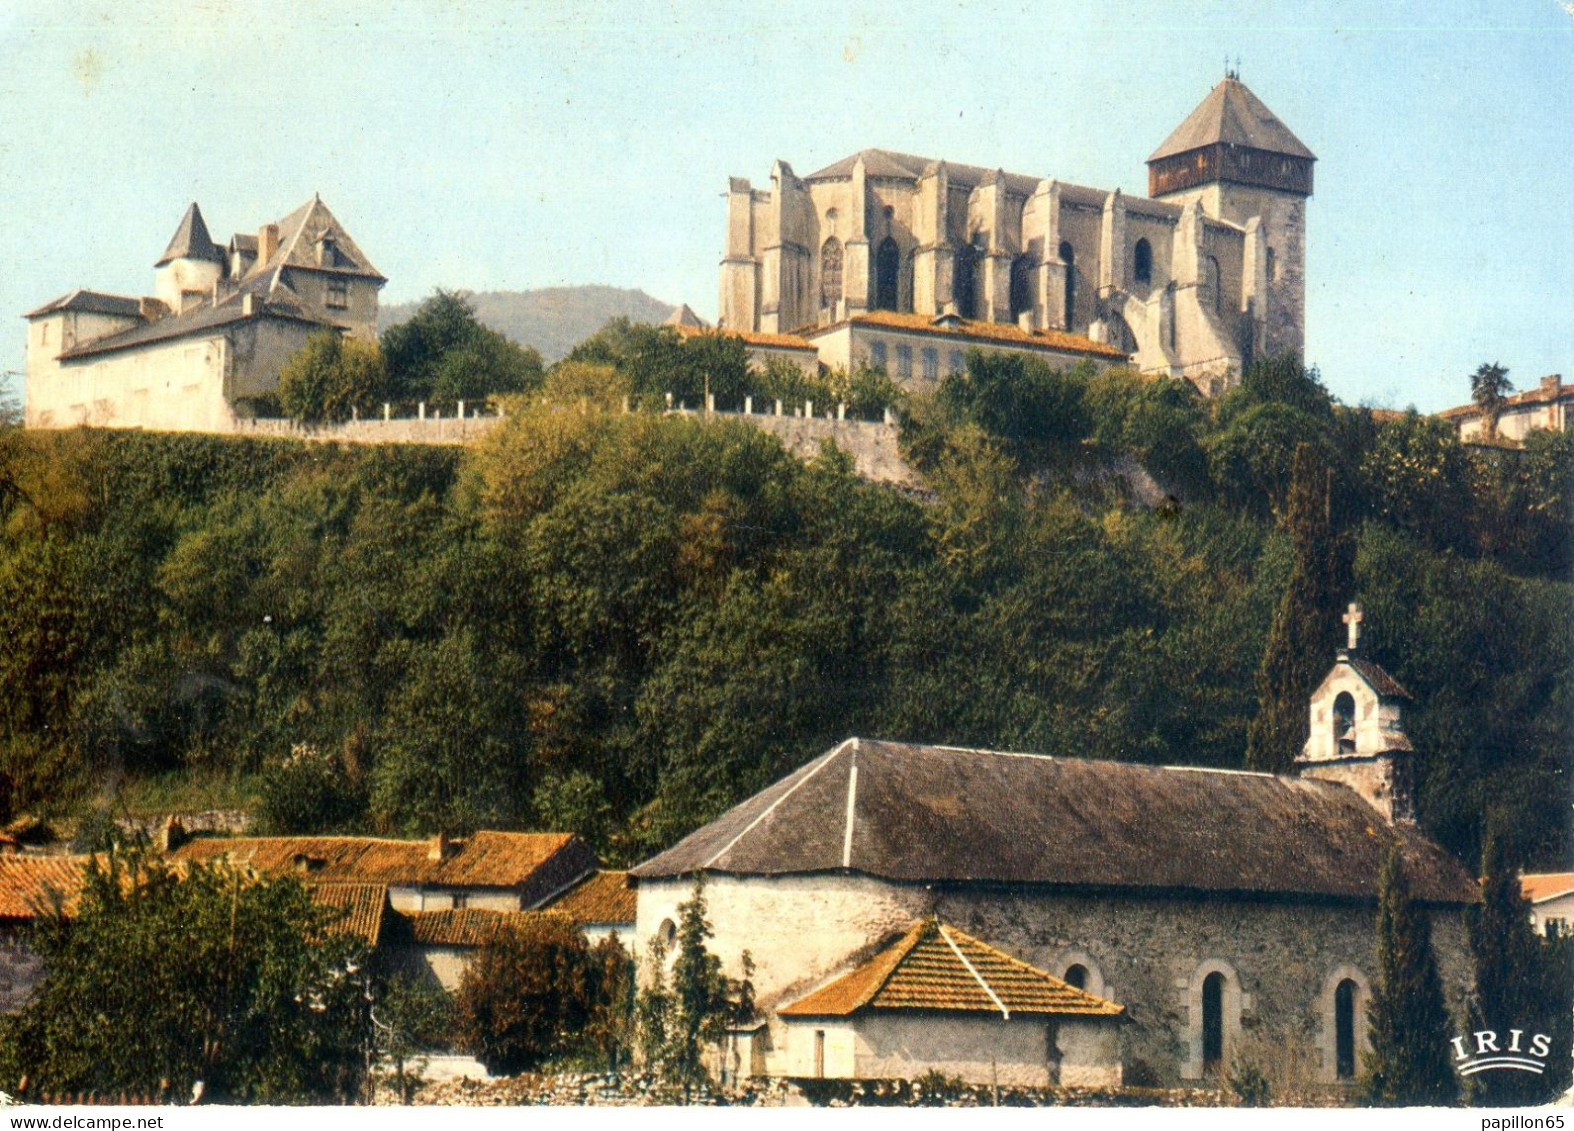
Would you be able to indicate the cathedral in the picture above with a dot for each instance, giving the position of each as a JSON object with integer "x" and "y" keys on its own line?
{"x": 1194, "y": 280}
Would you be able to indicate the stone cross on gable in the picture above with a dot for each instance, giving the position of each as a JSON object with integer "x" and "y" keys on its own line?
{"x": 1353, "y": 618}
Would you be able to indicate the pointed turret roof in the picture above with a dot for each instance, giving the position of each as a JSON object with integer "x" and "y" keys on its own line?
{"x": 191, "y": 240}
{"x": 1232, "y": 115}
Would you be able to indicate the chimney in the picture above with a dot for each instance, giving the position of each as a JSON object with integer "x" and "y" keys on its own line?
{"x": 151, "y": 309}
{"x": 267, "y": 242}
{"x": 1552, "y": 385}
{"x": 440, "y": 849}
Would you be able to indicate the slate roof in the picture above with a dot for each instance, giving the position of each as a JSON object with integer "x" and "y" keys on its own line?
{"x": 93, "y": 302}
{"x": 363, "y": 908}
{"x": 1382, "y": 683}
{"x": 1003, "y": 332}
{"x": 276, "y": 301}
{"x": 1538, "y": 887}
{"x": 191, "y": 240}
{"x": 31, "y": 886}
{"x": 907, "y": 167}
{"x": 934, "y": 966}
{"x": 936, "y": 814}
{"x": 1232, "y": 115}
{"x": 298, "y": 235}
{"x": 483, "y": 859}
{"x": 601, "y": 897}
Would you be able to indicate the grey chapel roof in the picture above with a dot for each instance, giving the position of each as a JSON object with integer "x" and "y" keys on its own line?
{"x": 1232, "y": 115}
{"x": 921, "y": 814}
{"x": 191, "y": 240}
{"x": 95, "y": 302}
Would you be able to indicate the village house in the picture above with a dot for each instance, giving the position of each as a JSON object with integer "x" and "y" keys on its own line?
{"x": 1551, "y": 896}
{"x": 1546, "y": 407}
{"x": 205, "y": 349}
{"x": 1230, "y": 915}
{"x": 31, "y": 887}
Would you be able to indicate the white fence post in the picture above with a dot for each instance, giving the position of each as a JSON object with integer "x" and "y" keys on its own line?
{"x": 748, "y": 406}
{"x": 423, "y": 410}
{"x": 841, "y": 411}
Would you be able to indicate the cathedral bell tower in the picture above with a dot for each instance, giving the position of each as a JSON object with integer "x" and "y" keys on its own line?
{"x": 1357, "y": 731}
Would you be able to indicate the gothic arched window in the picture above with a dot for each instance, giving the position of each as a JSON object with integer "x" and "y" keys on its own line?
{"x": 887, "y": 275}
{"x": 1212, "y": 1024}
{"x": 1068, "y": 256}
{"x": 1142, "y": 262}
{"x": 830, "y": 272}
{"x": 962, "y": 289}
{"x": 1021, "y": 286}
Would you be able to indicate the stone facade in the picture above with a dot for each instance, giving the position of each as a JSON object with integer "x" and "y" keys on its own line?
{"x": 1194, "y": 281}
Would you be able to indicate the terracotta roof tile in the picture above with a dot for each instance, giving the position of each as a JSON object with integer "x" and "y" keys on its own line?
{"x": 1003, "y": 332}
{"x": 937, "y": 967}
{"x": 602, "y": 897}
{"x": 459, "y": 927}
{"x": 1550, "y": 390}
{"x": 483, "y": 859}
{"x": 1540, "y": 886}
{"x": 31, "y": 886}
{"x": 363, "y": 908}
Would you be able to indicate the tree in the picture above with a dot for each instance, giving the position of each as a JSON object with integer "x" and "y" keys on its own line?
{"x": 331, "y": 378}
{"x": 444, "y": 352}
{"x": 527, "y": 996}
{"x": 1489, "y": 388}
{"x": 1407, "y": 1020}
{"x": 165, "y": 978}
{"x": 1516, "y": 983}
{"x": 680, "y": 1020}
{"x": 410, "y": 1017}
{"x": 1297, "y": 640}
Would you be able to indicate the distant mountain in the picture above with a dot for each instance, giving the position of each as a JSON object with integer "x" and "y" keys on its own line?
{"x": 553, "y": 319}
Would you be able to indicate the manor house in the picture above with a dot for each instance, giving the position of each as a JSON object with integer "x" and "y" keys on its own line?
{"x": 207, "y": 345}
{"x": 888, "y": 259}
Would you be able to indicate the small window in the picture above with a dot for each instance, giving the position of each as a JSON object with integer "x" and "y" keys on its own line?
{"x": 904, "y": 363}
{"x": 1273, "y": 266}
{"x": 1142, "y": 262}
{"x": 1213, "y": 1024}
{"x": 338, "y": 294}
{"x": 1557, "y": 927}
{"x": 1076, "y": 975}
{"x": 819, "y": 1054}
{"x": 1068, "y": 256}
{"x": 1344, "y": 1030}
{"x": 931, "y": 364}
{"x": 1216, "y": 285}
{"x": 877, "y": 354}
{"x": 958, "y": 363}
{"x": 461, "y": 900}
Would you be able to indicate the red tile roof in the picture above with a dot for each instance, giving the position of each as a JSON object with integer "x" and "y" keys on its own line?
{"x": 962, "y": 328}
{"x": 749, "y": 337}
{"x": 484, "y": 859}
{"x": 1540, "y": 886}
{"x": 31, "y": 886}
{"x": 460, "y": 927}
{"x": 937, "y": 967}
{"x": 363, "y": 908}
{"x": 1550, "y": 390}
{"x": 602, "y": 897}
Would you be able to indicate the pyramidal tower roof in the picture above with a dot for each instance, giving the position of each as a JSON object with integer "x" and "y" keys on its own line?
{"x": 1232, "y": 115}
{"x": 191, "y": 240}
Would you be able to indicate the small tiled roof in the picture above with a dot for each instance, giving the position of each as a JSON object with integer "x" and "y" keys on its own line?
{"x": 191, "y": 240}
{"x": 1232, "y": 115}
{"x": 937, "y": 967}
{"x": 93, "y": 302}
{"x": 363, "y": 908}
{"x": 683, "y": 315}
{"x": 1381, "y": 682}
{"x": 458, "y": 927}
{"x": 483, "y": 859}
{"x": 1541, "y": 886}
{"x": 1550, "y": 390}
{"x": 601, "y": 897}
{"x": 936, "y": 814}
{"x": 963, "y": 328}
{"x": 748, "y": 337}
{"x": 31, "y": 886}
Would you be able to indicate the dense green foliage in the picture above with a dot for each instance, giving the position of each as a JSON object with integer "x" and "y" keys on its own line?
{"x": 332, "y": 378}
{"x": 1522, "y": 982}
{"x": 625, "y": 623}
{"x": 165, "y": 979}
{"x": 537, "y": 992}
{"x": 444, "y": 354}
{"x": 1408, "y": 1065}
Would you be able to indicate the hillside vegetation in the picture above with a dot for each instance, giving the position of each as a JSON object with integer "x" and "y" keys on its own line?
{"x": 623, "y": 624}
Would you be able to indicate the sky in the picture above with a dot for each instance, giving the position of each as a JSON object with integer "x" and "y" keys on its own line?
{"x": 519, "y": 145}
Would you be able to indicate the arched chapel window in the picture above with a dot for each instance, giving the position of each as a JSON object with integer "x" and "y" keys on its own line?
{"x": 1068, "y": 256}
{"x": 1021, "y": 286}
{"x": 962, "y": 290}
{"x": 830, "y": 272}
{"x": 1213, "y": 1024}
{"x": 1142, "y": 262}
{"x": 1344, "y": 1029}
{"x": 887, "y": 275}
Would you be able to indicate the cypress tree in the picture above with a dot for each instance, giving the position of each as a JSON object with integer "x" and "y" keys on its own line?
{"x": 1515, "y": 974}
{"x": 1302, "y": 626}
{"x": 1409, "y": 1064}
